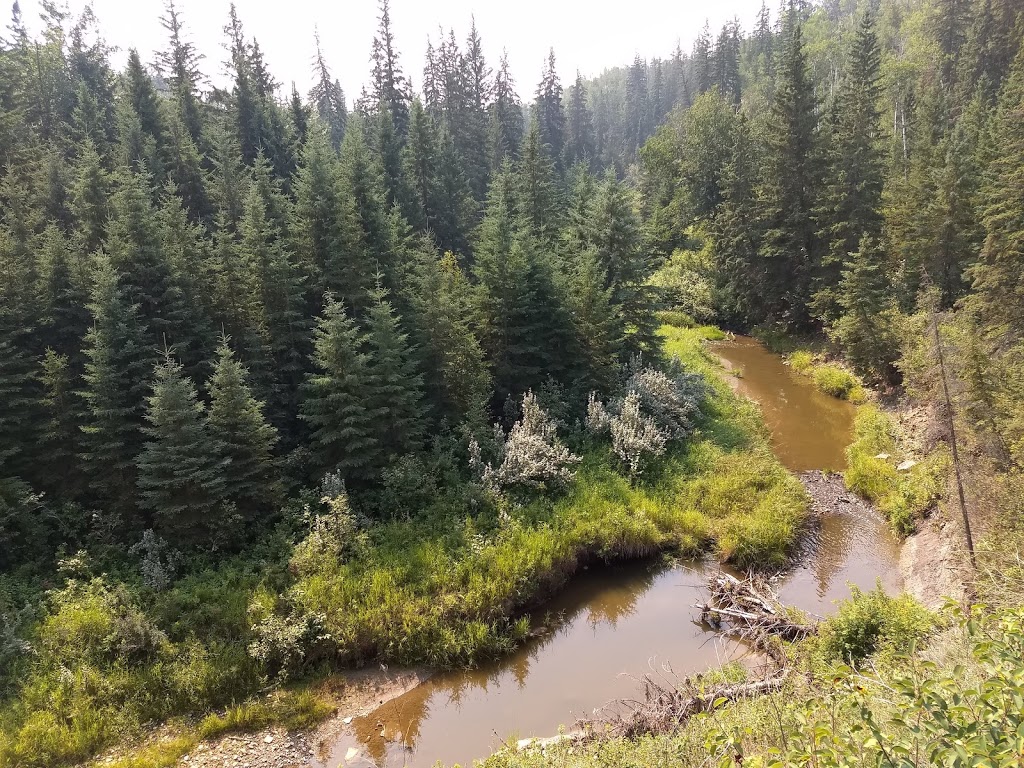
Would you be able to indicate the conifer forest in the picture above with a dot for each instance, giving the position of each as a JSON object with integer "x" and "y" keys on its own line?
{"x": 294, "y": 382}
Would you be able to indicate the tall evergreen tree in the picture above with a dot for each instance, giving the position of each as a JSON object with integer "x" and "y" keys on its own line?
{"x": 789, "y": 189}
{"x": 342, "y": 431}
{"x": 390, "y": 88}
{"x": 549, "y": 111}
{"x": 237, "y": 426}
{"x": 180, "y": 64}
{"x": 506, "y": 116}
{"x": 395, "y": 387}
{"x": 580, "y": 145}
{"x": 849, "y": 209}
{"x": 181, "y": 469}
{"x": 999, "y": 274}
{"x": 120, "y": 360}
{"x": 328, "y": 100}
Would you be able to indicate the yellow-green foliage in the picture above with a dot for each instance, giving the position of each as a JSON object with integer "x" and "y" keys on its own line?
{"x": 801, "y": 361}
{"x": 873, "y": 621}
{"x": 838, "y": 382}
{"x": 902, "y": 496}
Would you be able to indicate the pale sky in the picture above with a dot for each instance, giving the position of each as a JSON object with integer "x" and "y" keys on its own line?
{"x": 589, "y": 36}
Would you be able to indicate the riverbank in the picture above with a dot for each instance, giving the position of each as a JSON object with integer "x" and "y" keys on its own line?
{"x": 442, "y": 588}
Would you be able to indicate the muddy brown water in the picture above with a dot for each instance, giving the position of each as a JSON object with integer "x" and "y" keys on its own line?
{"x": 613, "y": 624}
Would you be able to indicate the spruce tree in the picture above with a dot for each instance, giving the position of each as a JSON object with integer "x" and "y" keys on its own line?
{"x": 90, "y": 199}
{"x": 182, "y": 469}
{"x": 457, "y": 384}
{"x": 236, "y": 423}
{"x": 343, "y": 435}
{"x": 180, "y": 64}
{"x": 61, "y": 437}
{"x": 850, "y": 206}
{"x": 327, "y": 231}
{"x": 615, "y": 237}
{"x": 390, "y": 88}
{"x": 866, "y": 329}
{"x": 328, "y": 100}
{"x": 394, "y": 386}
{"x": 119, "y": 364}
{"x": 579, "y": 146}
{"x": 537, "y": 194}
{"x": 506, "y": 130}
{"x": 999, "y": 273}
{"x": 789, "y": 190}
{"x": 550, "y": 112}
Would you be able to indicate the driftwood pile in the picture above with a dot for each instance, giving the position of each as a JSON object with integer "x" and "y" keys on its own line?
{"x": 742, "y": 609}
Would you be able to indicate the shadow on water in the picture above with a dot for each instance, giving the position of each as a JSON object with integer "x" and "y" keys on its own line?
{"x": 612, "y": 624}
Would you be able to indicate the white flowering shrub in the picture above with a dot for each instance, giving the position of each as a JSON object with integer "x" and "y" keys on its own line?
{"x": 659, "y": 406}
{"x": 156, "y": 563}
{"x": 635, "y": 437}
{"x": 530, "y": 457}
{"x": 673, "y": 398}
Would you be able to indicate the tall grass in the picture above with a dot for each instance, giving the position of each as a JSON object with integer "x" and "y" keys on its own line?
{"x": 871, "y": 471}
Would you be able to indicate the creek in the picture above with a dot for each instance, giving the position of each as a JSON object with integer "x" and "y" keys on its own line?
{"x": 612, "y": 624}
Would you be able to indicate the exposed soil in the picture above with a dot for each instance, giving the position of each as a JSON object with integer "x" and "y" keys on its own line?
{"x": 354, "y": 693}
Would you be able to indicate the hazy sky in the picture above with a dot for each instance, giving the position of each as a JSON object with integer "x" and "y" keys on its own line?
{"x": 589, "y": 36}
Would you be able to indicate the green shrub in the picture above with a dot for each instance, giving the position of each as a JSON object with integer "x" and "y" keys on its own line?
{"x": 837, "y": 382}
{"x": 872, "y": 621}
{"x": 801, "y": 361}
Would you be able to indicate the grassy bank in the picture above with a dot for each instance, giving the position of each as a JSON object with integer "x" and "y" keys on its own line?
{"x": 877, "y": 450}
{"x": 809, "y": 357}
{"x": 445, "y": 587}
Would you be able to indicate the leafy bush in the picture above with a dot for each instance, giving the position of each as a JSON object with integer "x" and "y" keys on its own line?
{"x": 837, "y": 382}
{"x": 872, "y": 621}
{"x": 673, "y": 397}
{"x": 801, "y": 361}
{"x": 635, "y": 436}
{"x": 333, "y": 535}
{"x": 531, "y": 457}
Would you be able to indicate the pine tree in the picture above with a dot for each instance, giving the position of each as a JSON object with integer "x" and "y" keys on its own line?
{"x": 579, "y": 146}
{"x": 144, "y": 101}
{"x": 866, "y": 329}
{"x": 236, "y": 424}
{"x": 185, "y": 170}
{"x": 506, "y": 116}
{"x": 328, "y": 100}
{"x": 726, "y": 63}
{"x": 65, "y": 294}
{"x": 280, "y": 289}
{"x": 703, "y": 73}
{"x": 850, "y": 206}
{"x": 537, "y": 196}
{"x": 736, "y": 235}
{"x": 395, "y": 387}
{"x": 638, "y": 126}
{"x": 549, "y": 111}
{"x": 472, "y": 141}
{"x": 119, "y": 364}
{"x": 182, "y": 469}
{"x": 342, "y": 431}
{"x": 327, "y": 230}
{"x": 999, "y": 273}
{"x": 457, "y": 383}
{"x": 615, "y": 237}
{"x": 180, "y": 62}
{"x": 789, "y": 190}
{"x": 390, "y": 89}
{"x": 61, "y": 436}
{"x": 90, "y": 196}
{"x": 299, "y": 114}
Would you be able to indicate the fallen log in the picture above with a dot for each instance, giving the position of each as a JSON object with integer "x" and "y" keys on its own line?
{"x": 747, "y": 610}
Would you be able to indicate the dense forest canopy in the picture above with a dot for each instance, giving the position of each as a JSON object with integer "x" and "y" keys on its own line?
{"x": 219, "y": 305}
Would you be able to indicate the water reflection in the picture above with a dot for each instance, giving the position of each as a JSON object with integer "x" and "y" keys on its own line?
{"x": 612, "y": 624}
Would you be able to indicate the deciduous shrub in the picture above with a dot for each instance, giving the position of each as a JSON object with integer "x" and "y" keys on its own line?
{"x": 872, "y": 621}
{"x": 531, "y": 457}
